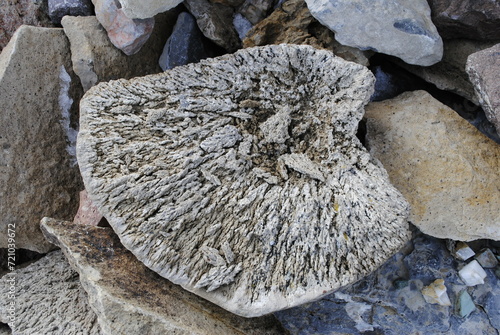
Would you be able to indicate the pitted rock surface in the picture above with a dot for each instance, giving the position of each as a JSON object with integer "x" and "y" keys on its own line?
{"x": 240, "y": 177}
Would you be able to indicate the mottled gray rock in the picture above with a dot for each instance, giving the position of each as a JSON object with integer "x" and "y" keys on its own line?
{"x": 185, "y": 45}
{"x": 389, "y": 300}
{"x": 473, "y": 19}
{"x": 128, "y": 35}
{"x": 443, "y": 165}
{"x": 49, "y": 300}
{"x": 95, "y": 59}
{"x": 60, "y": 8}
{"x": 399, "y": 28}
{"x": 483, "y": 68}
{"x": 215, "y": 22}
{"x": 256, "y": 10}
{"x": 38, "y": 172}
{"x": 146, "y": 8}
{"x": 240, "y": 178}
{"x": 128, "y": 298}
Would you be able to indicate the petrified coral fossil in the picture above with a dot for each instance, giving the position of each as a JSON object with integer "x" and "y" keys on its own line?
{"x": 240, "y": 178}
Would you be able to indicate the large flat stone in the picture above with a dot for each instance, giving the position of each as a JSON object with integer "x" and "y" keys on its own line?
{"x": 483, "y": 68}
{"x": 48, "y": 300}
{"x": 443, "y": 165}
{"x": 241, "y": 178}
{"x": 38, "y": 171}
{"x": 399, "y": 28}
{"x": 128, "y": 298}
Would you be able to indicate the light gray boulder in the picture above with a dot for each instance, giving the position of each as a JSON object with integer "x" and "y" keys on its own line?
{"x": 241, "y": 179}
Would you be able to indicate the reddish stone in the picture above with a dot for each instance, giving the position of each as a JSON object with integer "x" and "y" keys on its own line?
{"x": 88, "y": 214}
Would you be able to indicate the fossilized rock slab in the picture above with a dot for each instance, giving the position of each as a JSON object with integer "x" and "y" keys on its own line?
{"x": 442, "y": 164}
{"x": 128, "y": 298}
{"x": 241, "y": 179}
{"x": 400, "y": 28}
{"x": 49, "y": 299}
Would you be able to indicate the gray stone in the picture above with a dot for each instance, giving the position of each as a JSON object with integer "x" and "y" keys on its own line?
{"x": 256, "y": 10}
{"x": 215, "y": 22}
{"x": 95, "y": 59}
{"x": 146, "y": 8}
{"x": 128, "y": 298}
{"x": 473, "y": 19}
{"x": 487, "y": 259}
{"x": 450, "y": 74}
{"x": 60, "y": 8}
{"x": 38, "y": 171}
{"x": 48, "y": 299}
{"x": 483, "y": 68}
{"x": 399, "y": 28}
{"x": 443, "y": 165}
{"x": 240, "y": 178}
{"x": 185, "y": 45}
{"x": 128, "y": 35}
{"x": 375, "y": 304}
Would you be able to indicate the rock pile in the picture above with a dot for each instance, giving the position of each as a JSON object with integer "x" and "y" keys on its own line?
{"x": 242, "y": 177}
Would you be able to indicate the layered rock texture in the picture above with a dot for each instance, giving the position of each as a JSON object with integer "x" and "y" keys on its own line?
{"x": 38, "y": 121}
{"x": 399, "y": 28}
{"x": 241, "y": 179}
{"x": 49, "y": 299}
{"x": 128, "y": 298}
{"x": 443, "y": 165}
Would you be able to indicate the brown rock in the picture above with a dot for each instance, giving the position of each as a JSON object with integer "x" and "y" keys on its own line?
{"x": 483, "y": 68}
{"x": 128, "y": 298}
{"x": 474, "y": 19}
{"x": 38, "y": 171}
{"x": 292, "y": 23}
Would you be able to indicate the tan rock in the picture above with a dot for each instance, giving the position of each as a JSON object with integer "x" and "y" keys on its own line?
{"x": 38, "y": 171}
{"x": 444, "y": 166}
{"x": 128, "y": 298}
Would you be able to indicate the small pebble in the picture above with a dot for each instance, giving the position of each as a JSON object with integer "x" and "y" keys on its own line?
{"x": 463, "y": 252}
{"x": 472, "y": 274}
{"x": 465, "y": 305}
{"x": 435, "y": 293}
{"x": 487, "y": 259}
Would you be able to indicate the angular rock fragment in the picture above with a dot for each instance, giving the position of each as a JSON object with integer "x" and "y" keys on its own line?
{"x": 443, "y": 165}
{"x": 38, "y": 172}
{"x": 128, "y": 298}
{"x": 399, "y": 28}
{"x": 472, "y": 274}
{"x": 49, "y": 299}
{"x": 60, "y": 8}
{"x": 240, "y": 178}
{"x": 435, "y": 293}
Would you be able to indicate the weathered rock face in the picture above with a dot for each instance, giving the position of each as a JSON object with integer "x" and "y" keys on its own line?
{"x": 256, "y": 10}
{"x": 400, "y": 28}
{"x": 49, "y": 299}
{"x": 87, "y": 213}
{"x": 13, "y": 14}
{"x": 474, "y": 19}
{"x": 483, "y": 68}
{"x": 128, "y": 298}
{"x": 292, "y": 23}
{"x": 215, "y": 22}
{"x": 95, "y": 59}
{"x": 443, "y": 165}
{"x": 60, "y": 8}
{"x": 146, "y": 8}
{"x": 128, "y": 35}
{"x": 38, "y": 172}
{"x": 244, "y": 181}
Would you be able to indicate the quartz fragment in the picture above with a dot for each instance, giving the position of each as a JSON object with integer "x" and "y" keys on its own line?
{"x": 435, "y": 293}
{"x": 472, "y": 274}
{"x": 487, "y": 259}
{"x": 187, "y": 169}
{"x": 463, "y": 252}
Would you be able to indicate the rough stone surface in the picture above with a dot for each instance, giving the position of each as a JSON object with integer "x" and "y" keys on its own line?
{"x": 95, "y": 59}
{"x": 185, "y": 45}
{"x": 389, "y": 301}
{"x": 146, "y": 8}
{"x": 13, "y": 14}
{"x": 128, "y": 35}
{"x": 399, "y": 28}
{"x": 60, "y": 8}
{"x": 256, "y": 10}
{"x": 128, "y": 298}
{"x": 49, "y": 300}
{"x": 292, "y": 23}
{"x": 241, "y": 179}
{"x": 450, "y": 74}
{"x": 473, "y": 19}
{"x": 483, "y": 68}
{"x": 215, "y": 22}
{"x": 38, "y": 172}
{"x": 444, "y": 166}
{"x": 88, "y": 214}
